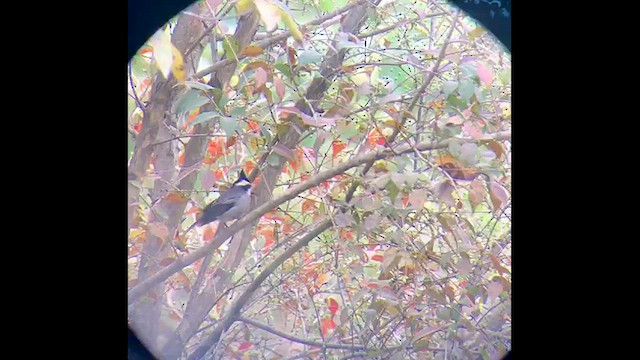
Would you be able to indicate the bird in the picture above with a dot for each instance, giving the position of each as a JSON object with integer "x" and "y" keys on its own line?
{"x": 231, "y": 204}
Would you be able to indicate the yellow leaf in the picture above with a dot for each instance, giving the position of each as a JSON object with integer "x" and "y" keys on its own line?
{"x": 234, "y": 80}
{"x": 476, "y": 33}
{"x": 291, "y": 25}
{"x": 506, "y": 109}
{"x": 252, "y": 50}
{"x": 244, "y": 6}
{"x": 177, "y": 66}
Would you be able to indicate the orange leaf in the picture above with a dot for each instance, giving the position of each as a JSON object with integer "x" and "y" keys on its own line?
{"x": 321, "y": 280}
{"x": 333, "y": 305}
{"x": 249, "y": 166}
{"x": 181, "y": 159}
{"x": 252, "y": 50}
{"x": 257, "y": 64}
{"x": 268, "y": 233}
{"x": 218, "y": 174}
{"x": 177, "y": 197}
{"x": 455, "y": 168}
{"x": 308, "y": 205}
{"x": 232, "y": 141}
{"x": 253, "y": 126}
{"x": 291, "y": 52}
{"x": 337, "y": 147}
{"x": 497, "y": 148}
{"x": 327, "y": 324}
{"x": 193, "y": 210}
{"x": 375, "y": 138}
{"x": 208, "y": 233}
{"x": 496, "y": 264}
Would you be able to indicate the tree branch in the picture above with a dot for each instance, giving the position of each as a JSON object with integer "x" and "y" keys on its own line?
{"x": 292, "y": 193}
{"x": 299, "y": 340}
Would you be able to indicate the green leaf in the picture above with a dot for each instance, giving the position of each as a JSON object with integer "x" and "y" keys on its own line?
{"x": 273, "y": 160}
{"x": 309, "y": 57}
{"x": 238, "y": 111}
{"x": 330, "y": 5}
{"x": 198, "y": 85}
{"x": 229, "y": 125}
{"x": 456, "y": 102}
{"x": 505, "y": 76}
{"x": 205, "y": 116}
{"x": 284, "y": 69}
{"x": 191, "y": 100}
{"x": 466, "y": 90}
{"x": 231, "y": 48}
{"x": 455, "y": 147}
{"x": 309, "y": 141}
{"x": 393, "y": 190}
{"x": 449, "y": 86}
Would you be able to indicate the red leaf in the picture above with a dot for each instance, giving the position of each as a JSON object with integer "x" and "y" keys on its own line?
{"x": 337, "y": 147}
{"x": 377, "y": 257}
{"x": 245, "y": 346}
{"x": 327, "y": 324}
{"x": 332, "y": 304}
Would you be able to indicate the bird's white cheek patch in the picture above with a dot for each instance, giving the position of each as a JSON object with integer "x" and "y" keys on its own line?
{"x": 243, "y": 183}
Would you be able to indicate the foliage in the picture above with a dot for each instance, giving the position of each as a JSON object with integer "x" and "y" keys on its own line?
{"x": 416, "y": 260}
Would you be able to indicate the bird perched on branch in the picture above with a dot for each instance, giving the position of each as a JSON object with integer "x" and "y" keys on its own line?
{"x": 231, "y": 204}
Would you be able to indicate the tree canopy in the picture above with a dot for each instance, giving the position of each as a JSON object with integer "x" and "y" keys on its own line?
{"x": 377, "y": 136}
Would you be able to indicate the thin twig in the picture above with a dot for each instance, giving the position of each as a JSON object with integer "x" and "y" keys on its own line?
{"x": 133, "y": 90}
